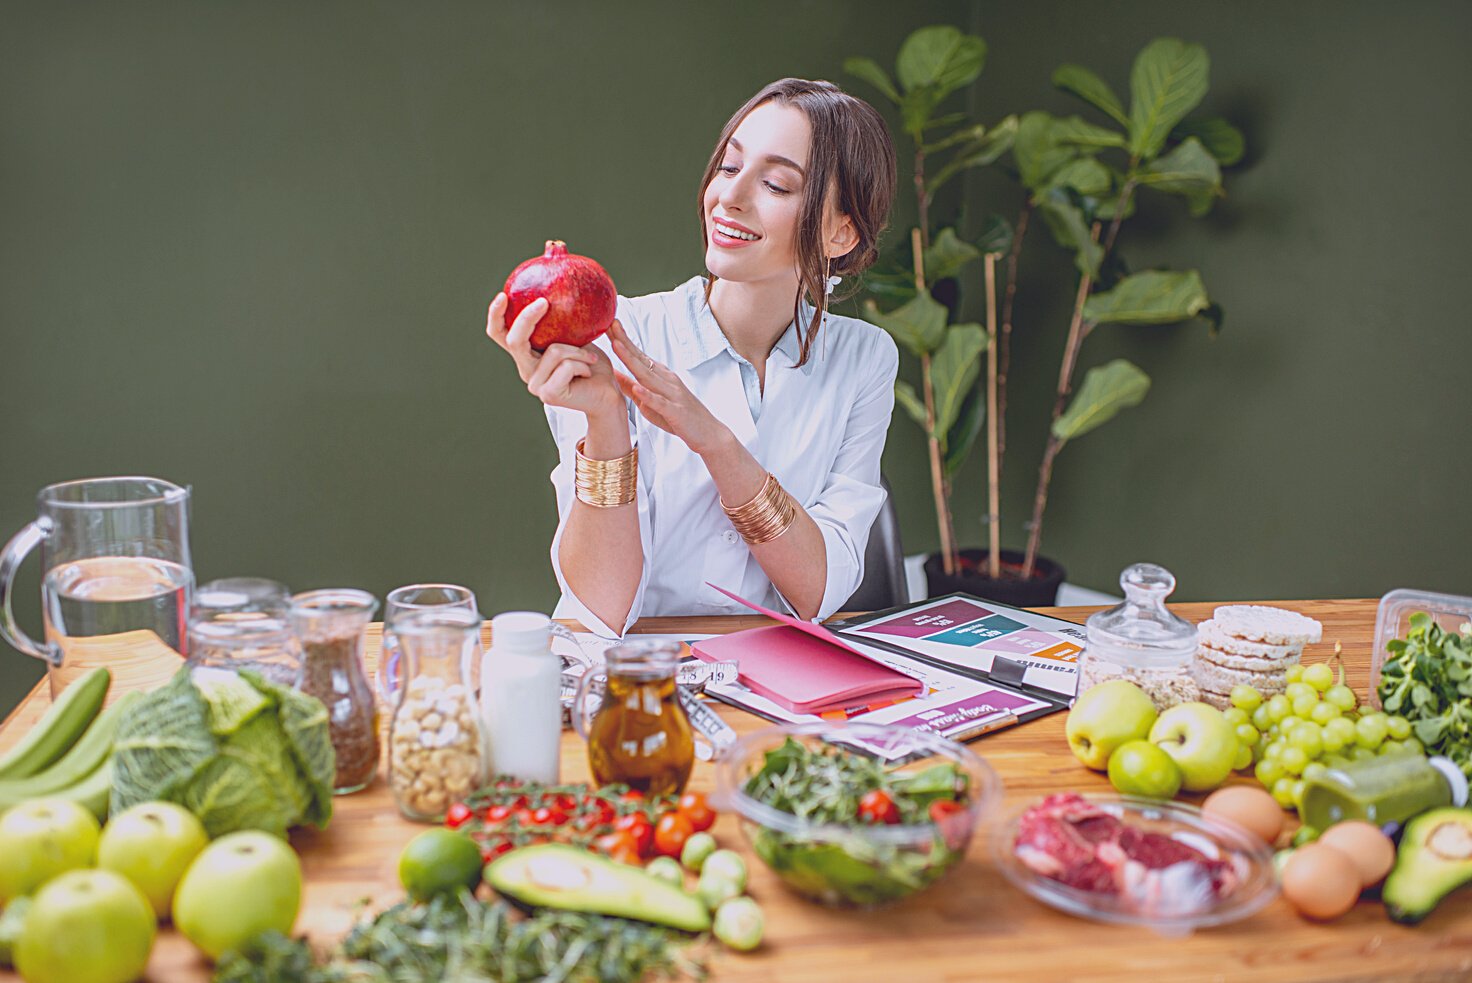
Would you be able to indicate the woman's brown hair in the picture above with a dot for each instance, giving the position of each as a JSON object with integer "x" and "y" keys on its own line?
{"x": 851, "y": 149}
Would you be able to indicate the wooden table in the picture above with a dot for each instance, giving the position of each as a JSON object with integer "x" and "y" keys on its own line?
{"x": 971, "y": 925}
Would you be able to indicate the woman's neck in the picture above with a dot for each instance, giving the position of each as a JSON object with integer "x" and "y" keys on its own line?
{"x": 753, "y": 315}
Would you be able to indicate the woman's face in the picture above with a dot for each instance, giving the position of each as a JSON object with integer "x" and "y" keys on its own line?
{"x": 757, "y": 192}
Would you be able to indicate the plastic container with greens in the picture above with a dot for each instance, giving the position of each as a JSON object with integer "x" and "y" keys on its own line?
{"x": 837, "y": 825}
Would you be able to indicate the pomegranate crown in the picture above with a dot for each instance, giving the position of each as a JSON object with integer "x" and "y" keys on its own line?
{"x": 555, "y": 247}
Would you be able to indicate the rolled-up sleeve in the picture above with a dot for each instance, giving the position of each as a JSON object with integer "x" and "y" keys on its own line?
{"x": 852, "y": 494}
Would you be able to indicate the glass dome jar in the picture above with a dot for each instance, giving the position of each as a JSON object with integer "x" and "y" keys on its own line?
{"x": 1141, "y": 641}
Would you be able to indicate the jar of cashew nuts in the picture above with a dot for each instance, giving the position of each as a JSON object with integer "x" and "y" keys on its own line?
{"x": 434, "y": 745}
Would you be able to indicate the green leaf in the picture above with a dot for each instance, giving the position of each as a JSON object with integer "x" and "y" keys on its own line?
{"x": 1037, "y": 151}
{"x": 919, "y": 325}
{"x": 1107, "y": 389}
{"x": 1085, "y": 175}
{"x": 948, "y": 255}
{"x": 963, "y": 432}
{"x": 1071, "y": 230}
{"x": 940, "y": 56}
{"x": 1169, "y": 79}
{"x": 1187, "y": 170}
{"x": 1079, "y": 133}
{"x": 868, "y": 70}
{"x": 916, "y": 107}
{"x": 996, "y": 236}
{"x": 1091, "y": 89}
{"x": 904, "y": 394}
{"x": 981, "y": 152}
{"x": 953, "y": 372}
{"x": 1221, "y": 139}
{"x": 964, "y": 135}
{"x": 948, "y": 119}
{"x": 1151, "y": 297}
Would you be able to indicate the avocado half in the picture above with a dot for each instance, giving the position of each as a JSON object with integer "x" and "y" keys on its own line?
{"x": 1434, "y": 859}
{"x": 556, "y": 876}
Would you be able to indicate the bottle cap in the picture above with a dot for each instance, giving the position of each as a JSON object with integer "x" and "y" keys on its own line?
{"x": 525, "y": 631}
{"x": 1142, "y": 632}
{"x": 1455, "y": 780}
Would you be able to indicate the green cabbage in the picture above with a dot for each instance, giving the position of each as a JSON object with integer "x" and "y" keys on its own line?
{"x": 235, "y": 749}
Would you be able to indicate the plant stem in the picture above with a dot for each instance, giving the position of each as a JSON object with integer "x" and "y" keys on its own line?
{"x": 1076, "y": 333}
{"x": 1004, "y": 356}
{"x": 938, "y": 483}
{"x": 922, "y": 199}
{"x": 1127, "y": 189}
{"x": 993, "y": 456}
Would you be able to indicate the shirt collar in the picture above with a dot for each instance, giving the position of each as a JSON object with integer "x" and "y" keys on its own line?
{"x": 707, "y": 340}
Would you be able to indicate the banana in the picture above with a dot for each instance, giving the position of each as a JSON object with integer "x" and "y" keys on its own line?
{"x": 85, "y": 757}
{"x": 55, "y": 733}
{"x": 92, "y": 793}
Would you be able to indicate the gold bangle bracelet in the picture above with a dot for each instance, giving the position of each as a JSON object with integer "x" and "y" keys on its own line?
{"x": 768, "y": 515}
{"x": 606, "y": 484}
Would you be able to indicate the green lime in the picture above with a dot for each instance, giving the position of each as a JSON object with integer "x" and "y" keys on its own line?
{"x": 1142, "y": 768}
{"x": 439, "y": 861}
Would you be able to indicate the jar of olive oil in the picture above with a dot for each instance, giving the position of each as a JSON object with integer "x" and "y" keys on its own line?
{"x": 637, "y": 733}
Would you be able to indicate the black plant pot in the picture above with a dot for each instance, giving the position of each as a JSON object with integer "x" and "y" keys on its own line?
{"x": 1038, "y": 592}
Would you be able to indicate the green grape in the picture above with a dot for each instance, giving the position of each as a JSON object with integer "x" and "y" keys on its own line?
{"x": 1297, "y": 793}
{"x": 1315, "y": 769}
{"x": 1303, "y": 706}
{"x": 1305, "y": 834}
{"x": 1370, "y": 731}
{"x": 1243, "y": 759}
{"x": 1324, "y": 712}
{"x": 1306, "y": 737}
{"x": 1413, "y": 746}
{"x": 1398, "y": 727}
{"x": 1279, "y": 707}
{"x": 1294, "y": 760}
{"x": 1295, "y": 690}
{"x": 1246, "y": 697}
{"x": 1390, "y": 746}
{"x": 1248, "y": 735}
{"x": 1342, "y": 697}
{"x": 1294, "y": 673}
{"x": 1275, "y": 749}
{"x": 1235, "y": 716}
{"x": 1319, "y": 676}
{"x": 1358, "y": 753}
{"x": 1338, "y": 733}
{"x": 1335, "y": 760}
{"x": 1268, "y": 771}
{"x": 1261, "y": 718}
{"x": 1283, "y": 792}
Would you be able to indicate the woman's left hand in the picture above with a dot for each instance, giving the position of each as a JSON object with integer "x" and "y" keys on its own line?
{"x": 663, "y": 399}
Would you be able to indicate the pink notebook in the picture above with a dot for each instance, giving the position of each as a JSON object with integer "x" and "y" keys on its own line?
{"x": 804, "y": 667}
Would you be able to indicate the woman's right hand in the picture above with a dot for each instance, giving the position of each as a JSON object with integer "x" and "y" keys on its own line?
{"x": 579, "y": 379}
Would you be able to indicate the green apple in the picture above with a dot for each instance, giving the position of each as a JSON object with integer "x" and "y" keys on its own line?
{"x": 86, "y": 926}
{"x": 1106, "y": 716}
{"x": 41, "y": 838}
{"x": 239, "y": 886}
{"x": 152, "y": 844}
{"x": 1202, "y": 742}
{"x": 1141, "y": 768}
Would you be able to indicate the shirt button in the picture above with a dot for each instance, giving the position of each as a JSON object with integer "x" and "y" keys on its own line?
{"x": 730, "y": 537}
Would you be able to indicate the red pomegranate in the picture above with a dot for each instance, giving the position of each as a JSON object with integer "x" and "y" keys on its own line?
{"x": 580, "y": 293}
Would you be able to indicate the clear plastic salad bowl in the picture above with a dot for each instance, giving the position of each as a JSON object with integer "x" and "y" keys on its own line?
{"x": 860, "y": 865}
{"x": 1250, "y": 859}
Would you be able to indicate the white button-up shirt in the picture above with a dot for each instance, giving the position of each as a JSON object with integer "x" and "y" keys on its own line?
{"x": 819, "y": 429}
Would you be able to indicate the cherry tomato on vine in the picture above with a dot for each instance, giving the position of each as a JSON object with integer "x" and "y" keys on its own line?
{"x": 694, "y": 808}
{"x": 633, "y": 795}
{"x": 637, "y": 824}
{"x": 458, "y": 815}
{"x": 877, "y": 807}
{"x": 619, "y": 846}
{"x": 492, "y": 849}
{"x": 549, "y": 816}
{"x": 497, "y": 814}
{"x": 523, "y": 816}
{"x": 671, "y": 832}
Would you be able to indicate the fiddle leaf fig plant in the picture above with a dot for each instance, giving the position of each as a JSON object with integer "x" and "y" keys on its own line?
{"x": 932, "y": 64}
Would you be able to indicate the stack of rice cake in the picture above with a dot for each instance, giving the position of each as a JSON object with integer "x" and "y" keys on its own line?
{"x": 1249, "y": 645}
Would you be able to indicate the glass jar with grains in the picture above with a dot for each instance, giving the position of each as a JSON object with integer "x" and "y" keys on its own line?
{"x": 1141, "y": 641}
{"x": 329, "y": 625}
{"x": 434, "y": 742}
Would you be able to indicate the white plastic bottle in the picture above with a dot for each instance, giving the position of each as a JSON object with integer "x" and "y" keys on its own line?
{"x": 521, "y": 698}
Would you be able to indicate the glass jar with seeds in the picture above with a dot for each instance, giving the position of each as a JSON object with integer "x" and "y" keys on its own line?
{"x": 1142, "y": 641}
{"x": 329, "y": 625}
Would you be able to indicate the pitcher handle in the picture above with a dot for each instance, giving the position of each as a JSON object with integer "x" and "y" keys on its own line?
{"x": 581, "y": 718}
{"x": 11, "y": 558}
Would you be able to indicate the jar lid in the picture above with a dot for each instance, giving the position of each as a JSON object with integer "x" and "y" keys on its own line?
{"x": 525, "y": 631}
{"x": 1141, "y": 631}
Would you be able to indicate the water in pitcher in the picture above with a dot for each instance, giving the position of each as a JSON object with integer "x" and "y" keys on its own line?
{"x": 120, "y": 612}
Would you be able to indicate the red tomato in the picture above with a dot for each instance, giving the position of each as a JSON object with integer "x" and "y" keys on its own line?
{"x": 943, "y": 809}
{"x": 600, "y": 807}
{"x": 549, "y": 816}
{"x": 567, "y": 803}
{"x": 633, "y": 795}
{"x": 611, "y": 843}
{"x": 524, "y": 817}
{"x": 458, "y": 815}
{"x": 671, "y": 832}
{"x": 497, "y": 814}
{"x": 694, "y": 808}
{"x": 877, "y": 807}
{"x": 494, "y": 848}
{"x": 949, "y": 817}
{"x": 638, "y": 825}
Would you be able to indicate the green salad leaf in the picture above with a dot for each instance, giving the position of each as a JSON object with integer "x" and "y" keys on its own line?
{"x": 1427, "y": 678}
{"x": 237, "y": 750}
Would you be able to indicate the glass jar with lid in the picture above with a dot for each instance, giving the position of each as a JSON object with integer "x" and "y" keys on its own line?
{"x": 241, "y": 623}
{"x": 1141, "y": 641}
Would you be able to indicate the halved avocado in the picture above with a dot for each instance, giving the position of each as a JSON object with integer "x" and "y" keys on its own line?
{"x": 555, "y": 876}
{"x": 1434, "y": 859}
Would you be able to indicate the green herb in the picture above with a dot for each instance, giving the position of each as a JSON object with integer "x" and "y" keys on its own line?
{"x": 824, "y": 785}
{"x": 237, "y": 750}
{"x": 468, "y": 940}
{"x": 1428, "y": 680}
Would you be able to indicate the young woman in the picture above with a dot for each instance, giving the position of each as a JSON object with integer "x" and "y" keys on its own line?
{"x": 737, "y": 440}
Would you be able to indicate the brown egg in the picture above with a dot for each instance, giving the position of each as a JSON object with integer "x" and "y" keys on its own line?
{"x": 1249, "y": 807}
{"x": 1371, "y": 850}
{"x": 1320, "y": 882}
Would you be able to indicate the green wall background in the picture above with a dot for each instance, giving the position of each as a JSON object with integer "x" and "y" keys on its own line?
{"x": 248, "y": 247}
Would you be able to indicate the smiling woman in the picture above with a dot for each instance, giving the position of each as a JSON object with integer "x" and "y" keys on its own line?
{"x": 694, "y": 465}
